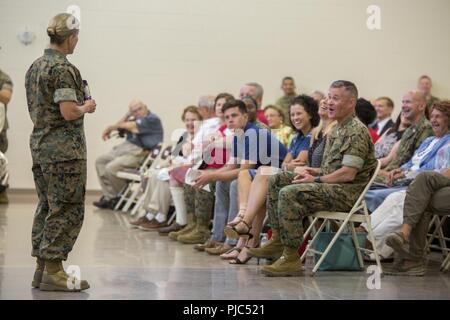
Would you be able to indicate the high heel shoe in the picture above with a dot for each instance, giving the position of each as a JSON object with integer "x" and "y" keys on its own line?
{"x": 232, "y": 233}
{"x": 225, "y": 257}
{"x": 240, "y": 216}
{"x": 239, "y": 261}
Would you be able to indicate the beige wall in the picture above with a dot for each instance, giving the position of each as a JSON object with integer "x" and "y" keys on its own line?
{"x": 168, "y": 52}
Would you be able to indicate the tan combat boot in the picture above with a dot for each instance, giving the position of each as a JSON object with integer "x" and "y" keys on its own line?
{"x": 37, "y": 278}
{"x": 207, "y": 245}
{"x": 288, "y": 265}
{"x": 55, "y": 278}
{"x": 272, "y": 249}
{"x": 189, "y": 227}
{"x": 199, "y": 235}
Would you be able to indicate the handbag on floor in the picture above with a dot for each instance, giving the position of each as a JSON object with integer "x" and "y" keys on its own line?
{"x": 342, "y": 255}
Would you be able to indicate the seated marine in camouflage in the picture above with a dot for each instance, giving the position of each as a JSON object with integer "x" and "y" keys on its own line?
{"x": 413, "y": 109}
{"x": 6, "y": 88}
{"x": 348, "y": 164}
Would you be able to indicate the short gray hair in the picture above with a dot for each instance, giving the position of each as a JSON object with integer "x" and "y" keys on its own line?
{"x": 207, "y": 101}
{"x": 259, "y": 90}
{"x": 347, "y": 85}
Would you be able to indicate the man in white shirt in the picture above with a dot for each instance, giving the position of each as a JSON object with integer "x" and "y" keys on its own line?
{"x": 208, "y": 127}
{"x": 384, "y": 107}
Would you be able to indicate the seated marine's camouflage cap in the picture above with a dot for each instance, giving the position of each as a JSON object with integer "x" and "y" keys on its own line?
{"x": 62, "y": 25}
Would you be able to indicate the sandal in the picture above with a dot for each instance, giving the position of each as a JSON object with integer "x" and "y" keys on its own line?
{"x": 232, "y": 233}
{"x": 239, "y": 261}
{"x": 224, "y": 255}
{"x": 240, "y": 216}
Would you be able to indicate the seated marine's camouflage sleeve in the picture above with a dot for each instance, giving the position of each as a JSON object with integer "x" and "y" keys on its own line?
{"x": 65, "y": 85}
{"x": 355, "y": 150}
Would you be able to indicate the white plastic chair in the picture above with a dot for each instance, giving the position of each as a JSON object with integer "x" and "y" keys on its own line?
{"x": 346, "y": 219}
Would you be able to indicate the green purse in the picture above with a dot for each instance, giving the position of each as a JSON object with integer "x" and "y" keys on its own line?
{"x": 342, "y": 255}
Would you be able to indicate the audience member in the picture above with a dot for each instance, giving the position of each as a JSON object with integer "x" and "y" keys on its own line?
{"x": 276, "y": 122}
{"x": 384, "y": 106}
{"x": 284, "y": 102}
{"x": 143, "y": 131}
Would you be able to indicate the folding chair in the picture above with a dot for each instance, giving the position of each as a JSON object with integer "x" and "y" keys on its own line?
{"x": 435, "y": 232}
{"x": 145, "y": 187}
{"x": 348, "y": 219}
{"x": 134, "y": 176}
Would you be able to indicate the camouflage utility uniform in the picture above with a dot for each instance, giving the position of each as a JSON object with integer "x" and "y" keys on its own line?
{"x": 200, "y": 203}
{"x": 5, "y": 84}
{"x": 412, "y": 138}
{"x": 349, "y": 144}
{"x": 58, "y": 149}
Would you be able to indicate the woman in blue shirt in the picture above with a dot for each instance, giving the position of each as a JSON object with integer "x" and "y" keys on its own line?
{"x": 252, "y": 185}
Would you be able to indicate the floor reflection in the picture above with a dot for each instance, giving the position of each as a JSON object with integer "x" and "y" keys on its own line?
{"x": 124, "y": 263}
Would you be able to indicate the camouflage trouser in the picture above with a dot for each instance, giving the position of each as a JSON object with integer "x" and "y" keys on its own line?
{"x": 288, "y": 204}
{"x": 57, "y": 222}
{"x": 3, "y": 141}
{"x": 200, "y": 202}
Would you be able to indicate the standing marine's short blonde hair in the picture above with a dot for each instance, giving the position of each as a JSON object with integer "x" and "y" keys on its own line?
{"x": 62, "y": 26}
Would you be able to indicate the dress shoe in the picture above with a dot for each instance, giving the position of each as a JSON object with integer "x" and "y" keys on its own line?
{"x": 173, "y": 227}
{"x": 103, "y": 203}
{"x": 153, "y": 225}
{"x": 138, "y": 222}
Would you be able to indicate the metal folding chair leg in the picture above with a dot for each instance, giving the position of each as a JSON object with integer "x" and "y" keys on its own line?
{"x": 356, "y": 244}
{"x": 123, "y": 195}
{"x": 171, "y": 218}
{"x": 131, "y": 200}
{"x": 446, "y": 264}
{"x": 138, "y": 205}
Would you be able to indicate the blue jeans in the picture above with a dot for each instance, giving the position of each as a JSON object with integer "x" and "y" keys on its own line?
{"x": 225, "y": 209}
{"x": 375, "y": 196}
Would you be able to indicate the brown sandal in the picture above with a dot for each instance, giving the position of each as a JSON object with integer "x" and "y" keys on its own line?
{"x": 233, "y": 233}
{"x": 241, "y": 217}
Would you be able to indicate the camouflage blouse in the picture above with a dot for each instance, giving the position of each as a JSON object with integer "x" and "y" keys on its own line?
{"x": 349, "y": 144}
{"x": 50, "y": 80}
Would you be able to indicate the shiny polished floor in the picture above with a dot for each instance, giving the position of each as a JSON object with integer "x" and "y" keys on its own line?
{"x": 124, "y": 263}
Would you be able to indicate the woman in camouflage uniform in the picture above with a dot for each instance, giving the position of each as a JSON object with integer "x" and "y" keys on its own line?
{"x": 56, "y": 103}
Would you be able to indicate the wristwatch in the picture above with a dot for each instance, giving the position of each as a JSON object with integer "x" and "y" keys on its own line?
{"x": 317, "y": 179}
